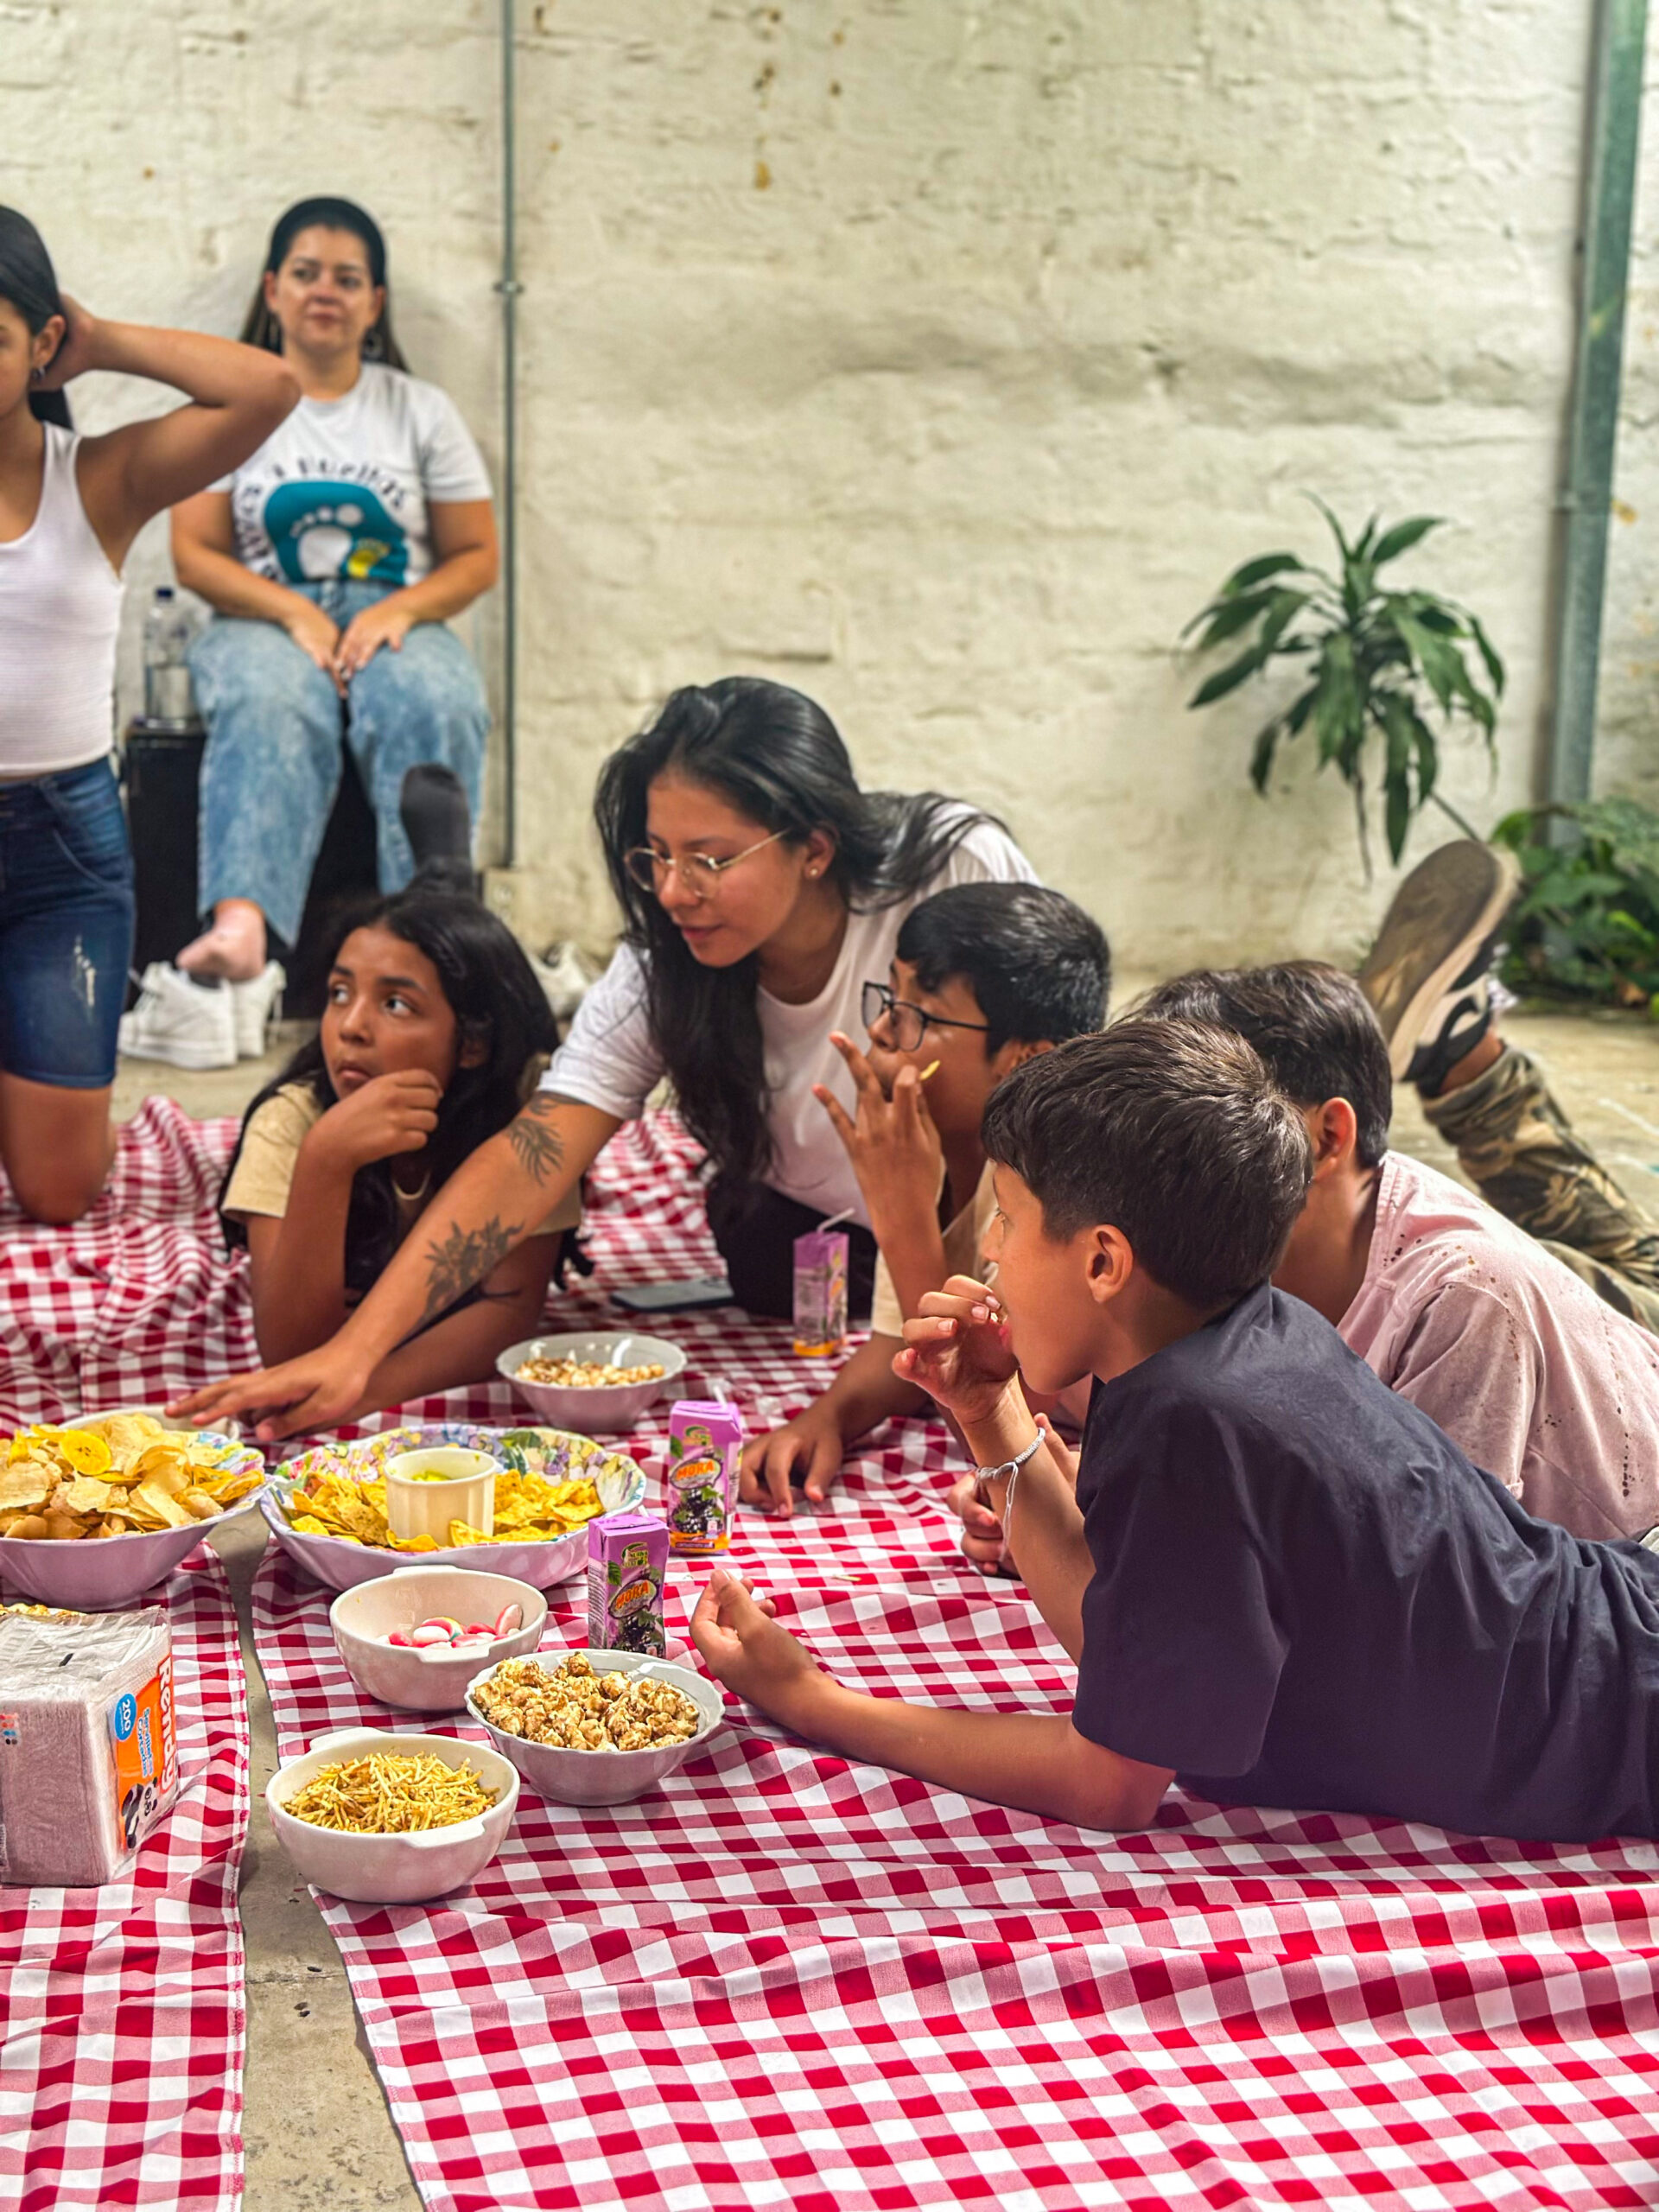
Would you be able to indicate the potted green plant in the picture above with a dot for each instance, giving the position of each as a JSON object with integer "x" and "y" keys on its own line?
{"x": 1373, "y": 663}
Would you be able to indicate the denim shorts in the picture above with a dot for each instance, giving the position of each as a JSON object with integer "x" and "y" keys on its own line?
{"x": 66, "y": 926}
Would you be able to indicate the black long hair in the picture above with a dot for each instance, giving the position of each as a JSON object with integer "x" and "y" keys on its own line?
{"x": 261, "y": 326}
{"x": 497, "y": 1002}
{"x": 776, "y": 756}
{"x": 30, "y": 282}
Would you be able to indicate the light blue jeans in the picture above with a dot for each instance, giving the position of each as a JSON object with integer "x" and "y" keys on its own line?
{"x": 273, "y": 763}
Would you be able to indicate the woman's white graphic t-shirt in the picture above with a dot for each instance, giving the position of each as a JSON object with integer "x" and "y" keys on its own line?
{"x": 611, "y": 1060}
{"x": 342, "y": 491}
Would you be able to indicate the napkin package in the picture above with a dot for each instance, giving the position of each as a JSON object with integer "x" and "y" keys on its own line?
{"x": 88, "y": 1757}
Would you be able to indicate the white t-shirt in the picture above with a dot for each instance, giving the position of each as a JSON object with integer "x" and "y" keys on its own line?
{"x": 611, "y": 1060}
{"x": 341, "y": 489}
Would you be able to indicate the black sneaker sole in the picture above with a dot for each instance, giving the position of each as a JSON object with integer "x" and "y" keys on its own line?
{"x": 1443, "y": 914}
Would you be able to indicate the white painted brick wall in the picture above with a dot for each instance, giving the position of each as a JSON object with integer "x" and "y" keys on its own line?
{"x": 937, "y": 356}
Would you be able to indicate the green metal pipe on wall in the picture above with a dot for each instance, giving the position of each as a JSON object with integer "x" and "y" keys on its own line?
{"x": 1612, "y": 139}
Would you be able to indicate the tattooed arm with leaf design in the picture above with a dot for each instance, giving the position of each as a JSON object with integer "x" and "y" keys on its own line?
{"x": 471, "y": 1233}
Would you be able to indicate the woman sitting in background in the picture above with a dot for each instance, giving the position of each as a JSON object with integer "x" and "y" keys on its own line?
{"x": 334, "y": 557}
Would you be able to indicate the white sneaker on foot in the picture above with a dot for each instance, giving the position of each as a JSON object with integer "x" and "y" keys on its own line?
{"x": 253, "y": 1005}
{"x": 181, "y": 1022}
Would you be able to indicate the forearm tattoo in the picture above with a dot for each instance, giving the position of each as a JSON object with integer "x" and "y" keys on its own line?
{"x": 538, "y": 1149}
{"x": 464, "y": 1257}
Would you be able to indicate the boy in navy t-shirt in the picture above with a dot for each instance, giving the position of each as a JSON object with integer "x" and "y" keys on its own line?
{"x": 1279, "y": 1579}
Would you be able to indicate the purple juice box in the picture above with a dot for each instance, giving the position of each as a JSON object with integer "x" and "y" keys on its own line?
{"x": 821, "y": 1292}
{"x": 627, "y": 1562}
{"x": 705, "y": 1436}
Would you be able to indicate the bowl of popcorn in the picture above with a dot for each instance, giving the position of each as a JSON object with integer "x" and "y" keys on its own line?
{"x": 592, "y": 1383}
{"x": 389, "y": 1819}
{"x": 595, "y": 1728}
{"x": 97, "y": 1510}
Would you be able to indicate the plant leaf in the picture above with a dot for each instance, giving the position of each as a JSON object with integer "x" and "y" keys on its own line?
{"x": 1283, "y": 610}
{"x": 1395, "y": 716}
{"x": 1489, "y": 654}
{"x": 1261, "y": 753}
{"x": 1428, "y": 755}
{"x": 1402, "y": 538}
{"x": 1228, "y": 678}
{"x": 1258, "y": 571}
{"x": 1342, "y": 546}
{"x": 1227, "y": 617}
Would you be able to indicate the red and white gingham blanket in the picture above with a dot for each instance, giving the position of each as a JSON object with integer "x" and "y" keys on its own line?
{"x": 790, "y": 1981}
{"x": 122, "y": 2008}
{"x": 135, "y": 1302}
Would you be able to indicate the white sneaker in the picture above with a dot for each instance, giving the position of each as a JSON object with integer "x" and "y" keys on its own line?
{"x": 563, "y": 976}
{"x": 181, "y": 1022}
{"x": 253, "y": 1005}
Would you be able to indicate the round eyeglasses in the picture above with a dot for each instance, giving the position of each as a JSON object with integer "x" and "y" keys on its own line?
{"x": 906, "y": 1023}
{"x": 699, "y": 872}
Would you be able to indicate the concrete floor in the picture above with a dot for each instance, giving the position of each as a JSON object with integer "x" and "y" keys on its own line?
{"x": 317, "y": 2129}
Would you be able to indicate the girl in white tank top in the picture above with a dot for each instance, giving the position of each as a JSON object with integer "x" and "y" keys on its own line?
{"x": 69, "y": 507}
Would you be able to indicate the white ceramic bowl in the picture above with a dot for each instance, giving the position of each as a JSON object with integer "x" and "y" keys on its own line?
{"x": 96, "y": 1575}
{"x": 342, "y": 1565}
{"x": 436, "y": 1680}
{"x": 392, "y": 1869}
{"x": 605, "y": 1777}
{"x": 612, "y": 1408}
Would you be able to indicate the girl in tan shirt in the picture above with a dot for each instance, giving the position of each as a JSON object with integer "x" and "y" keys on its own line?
{"x": 434, "y": 1033}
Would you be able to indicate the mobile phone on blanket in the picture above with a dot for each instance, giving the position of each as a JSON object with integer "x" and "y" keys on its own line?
{"x": 674, "y": 1297}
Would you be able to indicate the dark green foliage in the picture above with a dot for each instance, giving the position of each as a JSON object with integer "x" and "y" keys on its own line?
{"x": 1587, "y": 924}
{"x": 1374, "y": 662}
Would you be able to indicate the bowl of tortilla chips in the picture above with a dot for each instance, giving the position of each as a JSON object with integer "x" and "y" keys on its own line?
{"x": 327, "y": 1508}
{"x": 95, "y": 1511}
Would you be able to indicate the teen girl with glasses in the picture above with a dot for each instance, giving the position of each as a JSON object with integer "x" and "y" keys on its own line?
{"x": 760, "y": 887}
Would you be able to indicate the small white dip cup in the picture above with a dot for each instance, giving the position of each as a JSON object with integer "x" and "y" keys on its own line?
{"x": 426, "y": 1491}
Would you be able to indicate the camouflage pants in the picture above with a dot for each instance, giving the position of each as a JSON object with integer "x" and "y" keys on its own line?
{"x": 1518, "y": 1147}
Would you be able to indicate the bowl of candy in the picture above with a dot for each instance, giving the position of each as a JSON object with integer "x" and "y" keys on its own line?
{"x": 602, "y": 1381}
{"x": 388, "y": 1818}
{"x": 416, "y": 1637}
{"x": 595, "y": 1728}
{"x": 94, "y": 1512}
{"x": 327, "y": 1508}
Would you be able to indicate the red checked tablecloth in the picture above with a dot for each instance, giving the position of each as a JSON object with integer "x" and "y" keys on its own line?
{"x": 787, "y": 1980}
{"x": 135, "y": 1302}
{"x": 121, "y": 2008}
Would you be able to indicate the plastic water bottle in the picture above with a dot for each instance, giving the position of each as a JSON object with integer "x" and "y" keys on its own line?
{"x": 168, "y": 696}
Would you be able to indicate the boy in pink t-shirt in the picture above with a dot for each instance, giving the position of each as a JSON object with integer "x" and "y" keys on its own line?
{"x": 1535, "y": 1376}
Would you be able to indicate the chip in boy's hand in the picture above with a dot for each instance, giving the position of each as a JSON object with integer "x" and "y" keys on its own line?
{"x": 119, "y": 1475}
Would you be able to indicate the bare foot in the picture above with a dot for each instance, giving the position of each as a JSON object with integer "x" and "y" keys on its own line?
{"x": 233, "y": 948}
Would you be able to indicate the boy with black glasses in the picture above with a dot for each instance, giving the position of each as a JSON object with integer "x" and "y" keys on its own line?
{"x": 984, "y": 976}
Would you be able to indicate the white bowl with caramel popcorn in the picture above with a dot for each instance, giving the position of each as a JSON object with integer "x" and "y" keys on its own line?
{"x": 595, "y": 1728}
{"x": 592, "y": 1383}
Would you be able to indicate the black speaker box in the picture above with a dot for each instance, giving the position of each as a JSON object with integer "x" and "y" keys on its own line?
{"x": 161, "y": 770}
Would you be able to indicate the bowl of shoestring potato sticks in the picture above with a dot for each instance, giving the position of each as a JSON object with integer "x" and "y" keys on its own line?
{"x": 389, "y": 1818}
